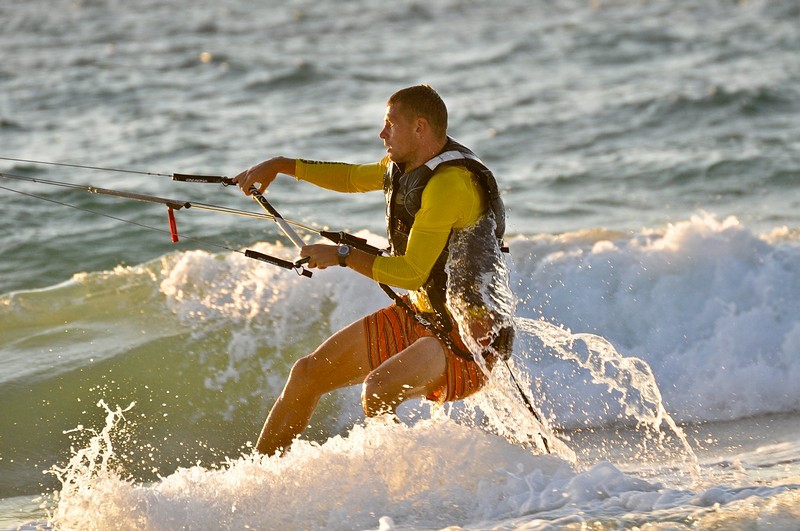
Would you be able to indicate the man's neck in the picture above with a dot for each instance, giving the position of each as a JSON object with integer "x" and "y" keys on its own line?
{"x": 426, "y": 153}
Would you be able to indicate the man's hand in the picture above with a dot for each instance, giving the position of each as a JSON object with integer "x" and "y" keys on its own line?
{"x": 264, "y": 173}
{"x": 320, "y": 255}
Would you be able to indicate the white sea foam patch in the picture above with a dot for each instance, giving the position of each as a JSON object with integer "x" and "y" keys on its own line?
{"x": 713, "y": 308}
{"x": 206, "y": 287}
{"x": 434, "y": 474}
{"x": 232, "y": 288}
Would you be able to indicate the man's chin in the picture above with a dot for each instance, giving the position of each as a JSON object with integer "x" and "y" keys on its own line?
{"x": 392, "y": 157}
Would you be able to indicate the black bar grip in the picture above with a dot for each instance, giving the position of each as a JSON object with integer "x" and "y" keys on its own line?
{"x": 261, "y": 257}
{"x": 209, "y": 179}
{"x": 359, "y": 243}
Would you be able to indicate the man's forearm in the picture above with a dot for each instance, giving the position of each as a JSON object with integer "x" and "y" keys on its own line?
{"x": 286, "y": 166}
{"x": 361, "y": 262}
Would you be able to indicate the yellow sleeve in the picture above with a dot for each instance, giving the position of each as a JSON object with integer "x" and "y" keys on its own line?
{"x": 342, "y": 177}
{"x": 452, "y": 199}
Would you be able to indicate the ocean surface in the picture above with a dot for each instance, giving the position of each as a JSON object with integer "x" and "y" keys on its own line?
{"x": 649, "y": 156}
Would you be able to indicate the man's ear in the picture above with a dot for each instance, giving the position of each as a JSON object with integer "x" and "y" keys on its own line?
{"x": 422, "y": 126}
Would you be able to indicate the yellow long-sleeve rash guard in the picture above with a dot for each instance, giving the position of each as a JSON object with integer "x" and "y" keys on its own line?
{"x": 451, "y": 200}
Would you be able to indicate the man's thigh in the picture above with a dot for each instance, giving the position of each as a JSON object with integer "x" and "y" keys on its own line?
{"x": 417, "y": 371}
{"x": 341, "y": 360}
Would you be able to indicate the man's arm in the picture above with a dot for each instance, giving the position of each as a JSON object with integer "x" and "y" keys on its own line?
{"x": 264, "y": 173}
{"x": 342, "y": 177}
{"x": 337, "y": 176}
{"x": 324, "y": 255}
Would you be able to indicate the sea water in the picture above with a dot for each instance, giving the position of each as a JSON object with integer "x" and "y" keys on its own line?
{"x": 649, "y": 157}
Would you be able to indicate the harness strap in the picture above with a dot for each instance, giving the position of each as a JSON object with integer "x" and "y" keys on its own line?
{"x": 439, "y": 332}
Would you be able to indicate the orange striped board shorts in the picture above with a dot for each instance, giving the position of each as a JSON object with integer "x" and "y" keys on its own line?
{"x": 392, "y": 330}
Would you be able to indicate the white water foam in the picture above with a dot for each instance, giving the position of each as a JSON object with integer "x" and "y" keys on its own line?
{"x": 384, "y": 475}
{"x": 710, "y": 306}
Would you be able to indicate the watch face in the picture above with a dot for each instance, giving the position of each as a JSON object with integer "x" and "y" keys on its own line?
{"x": 343, "y": 252}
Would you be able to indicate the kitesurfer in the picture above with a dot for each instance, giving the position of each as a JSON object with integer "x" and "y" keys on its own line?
{"x": 434, "y": 188}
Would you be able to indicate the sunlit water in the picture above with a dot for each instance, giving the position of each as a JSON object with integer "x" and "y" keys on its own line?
{"x": 648, "y": 156}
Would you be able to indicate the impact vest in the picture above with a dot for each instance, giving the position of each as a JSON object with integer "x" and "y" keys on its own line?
{"x": 403, "y": 193}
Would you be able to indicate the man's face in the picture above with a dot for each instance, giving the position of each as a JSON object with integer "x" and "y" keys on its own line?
{"x": 399, "y": 135}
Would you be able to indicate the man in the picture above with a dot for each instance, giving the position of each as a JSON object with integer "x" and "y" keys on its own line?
{"x": 391, "y": 353}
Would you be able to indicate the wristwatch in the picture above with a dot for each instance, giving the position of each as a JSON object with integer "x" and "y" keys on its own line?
{"x": 343, "y": 252}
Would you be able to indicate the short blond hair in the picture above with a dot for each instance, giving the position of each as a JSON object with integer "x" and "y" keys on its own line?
{"x": 423, "y": 101}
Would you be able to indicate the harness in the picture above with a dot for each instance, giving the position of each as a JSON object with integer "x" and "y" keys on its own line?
{"x": 403, "y": 192}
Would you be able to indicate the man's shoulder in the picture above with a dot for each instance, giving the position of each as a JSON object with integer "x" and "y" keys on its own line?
{"x": 451, "y": 172}
{"x": 451, "y": 176}
{"x": 451, "y": 183}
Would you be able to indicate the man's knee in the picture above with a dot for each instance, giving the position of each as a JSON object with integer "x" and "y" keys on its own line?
{"x": 317, "y": 373}
{"x": 302, "y": 376}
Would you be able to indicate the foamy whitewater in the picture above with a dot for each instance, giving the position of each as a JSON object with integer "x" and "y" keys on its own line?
{"x": 648, "y": 155}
